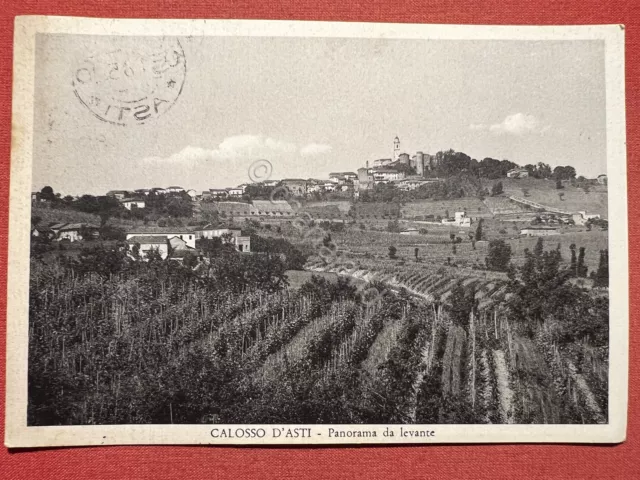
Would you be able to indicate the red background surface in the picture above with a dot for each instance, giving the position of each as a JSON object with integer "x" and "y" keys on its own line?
{"x": 477, "y": 462}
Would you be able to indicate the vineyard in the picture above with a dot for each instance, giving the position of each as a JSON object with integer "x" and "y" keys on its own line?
{"x": 156, "y": 343}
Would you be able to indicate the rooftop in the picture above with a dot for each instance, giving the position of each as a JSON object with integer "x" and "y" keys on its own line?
{"x": 160, "y": 230}
{"x": 149, "y": 240}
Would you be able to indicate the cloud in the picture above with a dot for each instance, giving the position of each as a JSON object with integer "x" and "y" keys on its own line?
{"x": 314, "y": 149}
{"x": 517, "y": 124}
{"x": 242, "y": 147}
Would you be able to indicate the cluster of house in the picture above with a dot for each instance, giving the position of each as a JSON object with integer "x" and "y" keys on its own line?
{"x": 72, "y": 232}
{"x": 176, "y": 243}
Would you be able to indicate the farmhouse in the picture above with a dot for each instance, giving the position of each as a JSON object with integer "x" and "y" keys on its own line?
{"x": 460, "y": 219}
{"x": 118, "y": 194}
{"x": 582, "y": 217}
{"x": 518, "y": 173}
{"x": 148, "y": 243}
{"x": 218, "y": 192}
{"x": 235, "y": 191}
{"x": 539, "y": 231}
{"x": 188, "y": 236}
{"x": 74, "y": 231}
{"x": 174, "y": 189}
{"x": 142, "y": 191}
{"x": 242, "y": 243}
{"x": 131, "y": 203}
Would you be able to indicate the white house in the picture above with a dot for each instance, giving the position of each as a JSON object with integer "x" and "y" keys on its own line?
{"x": 218, "y": 192}
{"x": 582, "y": 217}
{"x": 187, "y": 235}
{"x": 148, "y": 243}
{"x": 460, "y": 219}
{"x": 387, "y": 175}
{"x": 131, "y": 203}
{"x": 192, "y": 193}
{"x": 174, "y": 189}
{"x": 242, "y": 243}
{"x": 235, "y": 191}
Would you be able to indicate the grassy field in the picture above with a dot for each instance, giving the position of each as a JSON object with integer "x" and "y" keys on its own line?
{"x": 49, "y": 216}
{"x": 474, "y": 207}
{"x": 545, "y": 193}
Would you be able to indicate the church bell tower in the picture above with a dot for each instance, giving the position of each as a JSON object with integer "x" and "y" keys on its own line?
{"x": 396, "y": 149}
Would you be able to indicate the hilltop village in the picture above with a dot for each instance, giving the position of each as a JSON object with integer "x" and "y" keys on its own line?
{"x": 447, "y": 193}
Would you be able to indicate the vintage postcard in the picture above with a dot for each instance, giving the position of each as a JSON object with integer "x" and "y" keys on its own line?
{"x": 275, "y": 232}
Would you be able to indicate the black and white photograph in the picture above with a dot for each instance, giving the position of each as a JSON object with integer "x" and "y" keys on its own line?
{"x": 272, "y": 232}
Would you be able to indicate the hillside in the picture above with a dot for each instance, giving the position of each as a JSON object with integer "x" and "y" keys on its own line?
{"x": 473, "y": 206}
{"x": 545, "y": 193}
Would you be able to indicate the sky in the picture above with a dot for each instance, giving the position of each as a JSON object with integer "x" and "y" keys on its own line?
{"x": 317, "y": 105}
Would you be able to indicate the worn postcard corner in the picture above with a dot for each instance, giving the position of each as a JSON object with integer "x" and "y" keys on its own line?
{"x": 254, "y": 232}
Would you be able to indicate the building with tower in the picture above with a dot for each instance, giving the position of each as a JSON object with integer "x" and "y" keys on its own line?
{"x": 396, "y": 149}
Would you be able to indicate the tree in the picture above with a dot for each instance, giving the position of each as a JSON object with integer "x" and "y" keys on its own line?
{"x": 601, "y": 277}
{"x": 47, "y": 194}
{"x": 564, "y": 172}
{"x": 574, "y": 263}
{"x": 416, "y": 251}
{"x": 454, "y": 250}
{"x": 190, "y": 260}
{"x": 541, "y": 288}
{"x": 525, "y": 192}
{"x": 499, "y": 255}
{"x": 561, "y": 196}
{"x": 497, "y": 189}
{"x": 478, "y": 235}
{"x": 392, "y": 252}
{"x": 581, "y": 267}
{"x": 559, "y": 185}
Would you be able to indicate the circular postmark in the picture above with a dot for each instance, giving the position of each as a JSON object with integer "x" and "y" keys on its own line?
{"x": 134, "y": 83}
